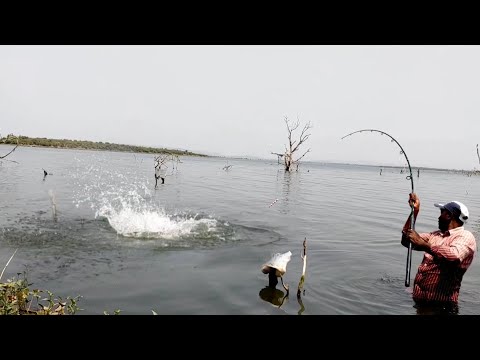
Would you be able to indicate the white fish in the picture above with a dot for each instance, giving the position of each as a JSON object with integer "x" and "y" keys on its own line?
{"x": 278, "y": 262}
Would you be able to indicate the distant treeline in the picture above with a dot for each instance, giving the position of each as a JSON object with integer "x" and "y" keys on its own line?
{"x": 89, "y": 145}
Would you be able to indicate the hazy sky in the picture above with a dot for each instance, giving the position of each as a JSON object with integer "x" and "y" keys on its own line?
{"x": 232, "y": 100}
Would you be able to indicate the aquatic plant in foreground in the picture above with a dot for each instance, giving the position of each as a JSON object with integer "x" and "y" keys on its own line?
{"x": 16, "y": 298}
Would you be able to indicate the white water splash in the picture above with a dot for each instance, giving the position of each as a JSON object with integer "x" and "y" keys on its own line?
{"x": 126, "y": 200}
{"x": 155, "y": 224}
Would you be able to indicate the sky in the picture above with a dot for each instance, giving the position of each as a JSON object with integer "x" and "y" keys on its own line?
{"x": 232, "y": 100}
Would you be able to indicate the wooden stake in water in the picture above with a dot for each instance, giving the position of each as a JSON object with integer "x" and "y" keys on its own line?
{"x": 302, "y": 278}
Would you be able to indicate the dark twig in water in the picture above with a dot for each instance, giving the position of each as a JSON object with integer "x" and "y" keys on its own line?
{"x": 478, "y": 154}
{"x": 283, "y": 299}
{"x": 302, "y": 307}
{"x": 285, "y": 286}
{"x": 412, "y": 218}
{"x": 156, "y": 180}
{"x": 11, "y": 151}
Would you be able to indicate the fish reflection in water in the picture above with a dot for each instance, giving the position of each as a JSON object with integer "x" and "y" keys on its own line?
{"x": 272, "y": 295}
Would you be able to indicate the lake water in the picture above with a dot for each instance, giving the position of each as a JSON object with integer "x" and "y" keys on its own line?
{"x": 97, "y": 227}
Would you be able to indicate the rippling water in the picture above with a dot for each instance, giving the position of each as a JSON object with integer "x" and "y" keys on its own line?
{"x": 97, "y": 227}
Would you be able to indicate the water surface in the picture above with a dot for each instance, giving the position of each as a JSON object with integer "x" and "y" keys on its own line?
{"x": 97, "y": 227}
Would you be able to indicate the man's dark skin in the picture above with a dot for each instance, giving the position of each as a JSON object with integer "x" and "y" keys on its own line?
{"x": 446, "y": 221}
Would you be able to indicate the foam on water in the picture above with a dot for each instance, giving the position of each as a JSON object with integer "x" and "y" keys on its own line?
{"x": 138, "y": 223}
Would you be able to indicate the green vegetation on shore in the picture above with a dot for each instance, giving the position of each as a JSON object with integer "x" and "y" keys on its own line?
{"x": 17, "y": 298}
{"x": 90, "y": 145}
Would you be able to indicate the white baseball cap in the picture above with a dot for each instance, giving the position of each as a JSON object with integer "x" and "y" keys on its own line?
{"x": 455, "y": 205}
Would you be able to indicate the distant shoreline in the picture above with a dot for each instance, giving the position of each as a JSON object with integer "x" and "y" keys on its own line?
{"x": 91, "y": 145}
{"x": 107, "y": 146}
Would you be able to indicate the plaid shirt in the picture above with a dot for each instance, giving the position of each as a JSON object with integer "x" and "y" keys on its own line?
{"x": 440, "y": 274}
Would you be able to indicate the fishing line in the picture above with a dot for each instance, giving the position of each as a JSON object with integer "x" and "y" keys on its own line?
{"x": 409, "y": 177}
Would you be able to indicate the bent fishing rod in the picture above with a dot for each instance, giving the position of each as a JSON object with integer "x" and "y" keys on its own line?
{"x": 412, "y": 217}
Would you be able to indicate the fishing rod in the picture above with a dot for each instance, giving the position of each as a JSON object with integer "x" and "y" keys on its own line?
{"x": 412, "y": 217}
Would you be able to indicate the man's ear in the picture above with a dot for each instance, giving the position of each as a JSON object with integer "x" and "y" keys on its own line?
{"x": 449, "y": 215}
{"x": 455, "y": 214}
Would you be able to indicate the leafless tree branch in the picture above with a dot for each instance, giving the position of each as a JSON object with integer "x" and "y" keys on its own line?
{"x": 4, "y": 156}
{"x": 11, "y": 151}
{"x": 161, "y": 165}
{"x": 294, "y": 144}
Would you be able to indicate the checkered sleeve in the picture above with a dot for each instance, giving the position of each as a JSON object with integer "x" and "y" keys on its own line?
{"x": 460, "y": 248}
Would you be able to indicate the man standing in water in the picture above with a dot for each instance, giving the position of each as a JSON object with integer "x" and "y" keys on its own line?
{"x": 449, "y": 252}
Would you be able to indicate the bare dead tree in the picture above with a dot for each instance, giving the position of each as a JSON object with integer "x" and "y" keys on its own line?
{"x": 161, "y": 165}
{"x": 160, "y": 168}
{"x": 290, "y": 162}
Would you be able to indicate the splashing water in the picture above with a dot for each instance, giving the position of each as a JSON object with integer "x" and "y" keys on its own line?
{"x": 136, "y": 223}
{"x": 126, "y": 202}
